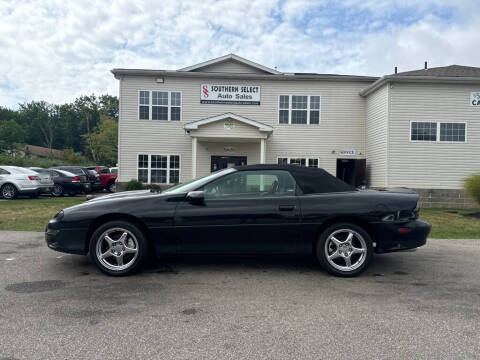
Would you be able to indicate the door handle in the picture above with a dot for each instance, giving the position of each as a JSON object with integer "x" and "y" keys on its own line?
{"x": 286, "y": 207}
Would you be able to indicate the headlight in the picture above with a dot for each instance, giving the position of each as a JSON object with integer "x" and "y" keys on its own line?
{"x": 403, "y": 215}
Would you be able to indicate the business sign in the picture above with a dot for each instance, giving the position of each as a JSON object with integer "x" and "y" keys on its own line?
{"x": 229, "y": 149}
{"x": 347, "y": 152}
{"x": 475, "y": 98}
{"x": 230, "y": 94}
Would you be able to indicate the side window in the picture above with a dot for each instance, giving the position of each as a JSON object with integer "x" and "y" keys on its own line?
{"x": 4, "y": 172}
{"x": 54, "y": 174}
{"x": 252, "y": 183}
{"x": 105, "y": 170}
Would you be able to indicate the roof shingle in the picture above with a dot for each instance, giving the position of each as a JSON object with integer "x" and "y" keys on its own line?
{"x": 444, "y": 71}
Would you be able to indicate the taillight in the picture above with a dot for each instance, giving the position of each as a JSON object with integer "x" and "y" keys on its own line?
{"x": 32, "y": 178}
{"x": 76, "y": 179}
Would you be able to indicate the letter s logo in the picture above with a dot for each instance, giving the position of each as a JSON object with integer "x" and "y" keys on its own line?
{"x": 205, "y": 91}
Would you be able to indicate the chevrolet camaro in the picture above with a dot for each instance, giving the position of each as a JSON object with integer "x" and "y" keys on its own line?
{"x": 244, "y": 210}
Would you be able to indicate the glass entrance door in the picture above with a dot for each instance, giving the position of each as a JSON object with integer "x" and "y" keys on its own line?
{"x": 223, "y": 162}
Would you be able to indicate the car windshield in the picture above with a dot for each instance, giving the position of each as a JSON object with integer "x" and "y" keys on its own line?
{"x": 196, "y": 183}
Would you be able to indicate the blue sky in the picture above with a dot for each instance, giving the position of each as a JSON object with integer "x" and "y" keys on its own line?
{"x": 56, "y": 50}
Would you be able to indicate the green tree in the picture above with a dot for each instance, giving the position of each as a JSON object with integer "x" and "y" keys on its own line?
{"x": 104, "y": 141}
{"x": 10, "y": 134}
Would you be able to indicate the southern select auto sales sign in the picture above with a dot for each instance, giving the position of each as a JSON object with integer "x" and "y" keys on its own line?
{"x": 230, "y": 94}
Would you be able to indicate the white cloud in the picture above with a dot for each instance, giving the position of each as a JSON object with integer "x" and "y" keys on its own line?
{"x": 56, "y": 50}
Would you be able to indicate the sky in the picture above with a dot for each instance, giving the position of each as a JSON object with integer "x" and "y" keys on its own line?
{"x": 57, "y": 50}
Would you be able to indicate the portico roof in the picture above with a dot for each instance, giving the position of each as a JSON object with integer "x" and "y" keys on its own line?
{"x": 260, "y": 126}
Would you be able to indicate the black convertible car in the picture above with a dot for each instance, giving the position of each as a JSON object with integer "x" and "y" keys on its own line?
{"x": 259, "y": 209}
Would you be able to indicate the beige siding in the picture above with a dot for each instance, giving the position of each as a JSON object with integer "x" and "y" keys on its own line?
{"x": 432, "y": 164}
{"x": 231, "y": 66}
{"x": 342, "y": 121}
{"x": 376, "y": 133}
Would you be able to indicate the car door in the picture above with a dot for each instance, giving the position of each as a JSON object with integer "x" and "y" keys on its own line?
{"x": 245, "y": 212}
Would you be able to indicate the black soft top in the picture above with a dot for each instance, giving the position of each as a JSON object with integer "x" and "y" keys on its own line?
{"x": 310, "y": 180}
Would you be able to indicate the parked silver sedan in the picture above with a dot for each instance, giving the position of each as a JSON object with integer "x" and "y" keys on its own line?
{"x": 16, "y": 181}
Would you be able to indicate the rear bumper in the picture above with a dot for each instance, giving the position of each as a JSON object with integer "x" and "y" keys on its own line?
{"x": 401, "y": 236}
{"x": 72, "y": 241}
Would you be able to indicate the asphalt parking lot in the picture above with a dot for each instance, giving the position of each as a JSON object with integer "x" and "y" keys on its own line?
{"x": 422, "y": 304}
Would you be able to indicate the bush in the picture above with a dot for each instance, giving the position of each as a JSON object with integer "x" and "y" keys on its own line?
{"x": 133, "y": 185}
{"x": 472, "y": 187}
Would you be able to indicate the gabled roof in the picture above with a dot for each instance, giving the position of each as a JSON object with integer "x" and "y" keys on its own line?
{"x": 260, "y": 126}
{"x": 457, "y": 74}
{"x": 227, "y": 58}
{"x": 452, "y": 70}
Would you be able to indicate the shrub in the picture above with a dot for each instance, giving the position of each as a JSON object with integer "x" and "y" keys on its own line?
{"x": 472, "y": 187}
{"x": 133, "y": 185}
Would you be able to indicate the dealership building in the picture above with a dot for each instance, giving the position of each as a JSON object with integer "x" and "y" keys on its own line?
{"x": 417, "y": 129}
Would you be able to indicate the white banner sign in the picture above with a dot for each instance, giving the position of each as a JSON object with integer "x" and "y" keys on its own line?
{"x": 230, "y": 94}
{"x": 475, "y": 98}
{"x": 345, "y": 152}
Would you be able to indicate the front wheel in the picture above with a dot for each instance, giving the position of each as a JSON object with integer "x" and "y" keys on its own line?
{"x": 9, "y": 192}
{"x": 118, "y": 248}
{"x": 345, "y": 249}
{"x": 57, "y": 190}
{"x": 111, "y": 187}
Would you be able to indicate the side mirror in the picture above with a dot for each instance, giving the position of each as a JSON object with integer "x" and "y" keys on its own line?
{"x": 196, "y": 198}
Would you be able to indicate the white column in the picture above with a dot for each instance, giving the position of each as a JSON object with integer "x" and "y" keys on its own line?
{"x": 262, "y": 151}
{"x": 194, "y": 157}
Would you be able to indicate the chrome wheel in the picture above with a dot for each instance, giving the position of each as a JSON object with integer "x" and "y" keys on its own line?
{"x": 9, "y": 192}
{"x": 117, "y": 249}
{"x": 57, "y": 190}
{"x": 345, "y": 250}
{"x": 112, "y": 187}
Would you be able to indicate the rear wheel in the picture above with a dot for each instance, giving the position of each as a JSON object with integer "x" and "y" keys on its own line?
{"x": 57, "y": 190}
{"x": 118, "y": 248}
{"x": 345, "y": 249}
{"x": 9, "y": 192}
{"x": 111, "y": 187}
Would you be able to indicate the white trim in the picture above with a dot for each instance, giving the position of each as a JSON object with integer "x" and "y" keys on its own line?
{"x": 300, "y": 157}
{"x": 437, "y": 138}
{"x": 262, "y": 151}
{"x": 230, "y": 57}
{"x": 195, "y": 124}
{"x": 169, "y": 105}
{"x": 194, "y": 157}
{"x": 149, "y": 168}
{"x": 307, "y": 109}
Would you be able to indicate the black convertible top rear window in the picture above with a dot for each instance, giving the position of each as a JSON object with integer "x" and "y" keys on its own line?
{"x": 310, "y": 180}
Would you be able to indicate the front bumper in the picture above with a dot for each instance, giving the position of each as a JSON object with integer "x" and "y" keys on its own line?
{"x": 66, "y": 240}
{"x": 394, "y": 236}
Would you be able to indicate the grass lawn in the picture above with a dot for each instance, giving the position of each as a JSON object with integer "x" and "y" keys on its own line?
{"x": 33, "y": 215}
{"x": 447, "y": 225}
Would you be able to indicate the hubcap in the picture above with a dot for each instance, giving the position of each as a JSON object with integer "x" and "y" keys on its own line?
{"x": 57, "y": 190}
{"x": 345, "y": 250}
{"x": 8, "y": 191}
{"x": 117, "y": 249}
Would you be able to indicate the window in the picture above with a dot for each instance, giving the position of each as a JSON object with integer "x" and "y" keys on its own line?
{"x": 144, "y": 105}
{"x": 175, "y": 106}
{"x": 424, "y": 131}
{"x": 299, "y": 109}
{"x": 159, "y": 169}
{"x": 160, "y": 105}
{"x": 164, "y": 105}
{"x": 452, "y": 132}
{"x": 4, "y": 172}
{"x": 299, "y": 161}
{"x": 252, "y": 183}
{"x": 143, "y": 168}
{"x": 437, "y": 131}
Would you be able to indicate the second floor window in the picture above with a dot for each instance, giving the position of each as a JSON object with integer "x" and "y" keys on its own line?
{"x": 159, "y": 105}
{"x": 299, "y": 109}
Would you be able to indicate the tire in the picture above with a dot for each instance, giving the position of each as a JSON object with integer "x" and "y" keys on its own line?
{"x": 111, "y": 187}
{"x": 57, "y": 190}
{"x": 9, "y": 192}
{"x": 132, "y": 248}
{"x": 335, "y": 251}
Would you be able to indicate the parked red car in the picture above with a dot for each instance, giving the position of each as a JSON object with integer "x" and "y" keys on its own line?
{"x": 106, "y": 177}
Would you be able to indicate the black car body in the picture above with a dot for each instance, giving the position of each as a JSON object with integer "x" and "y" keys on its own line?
{"x": 82, "y": 174}
{"x": 64, "y": 182}
{"x": 260, "y": 209}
